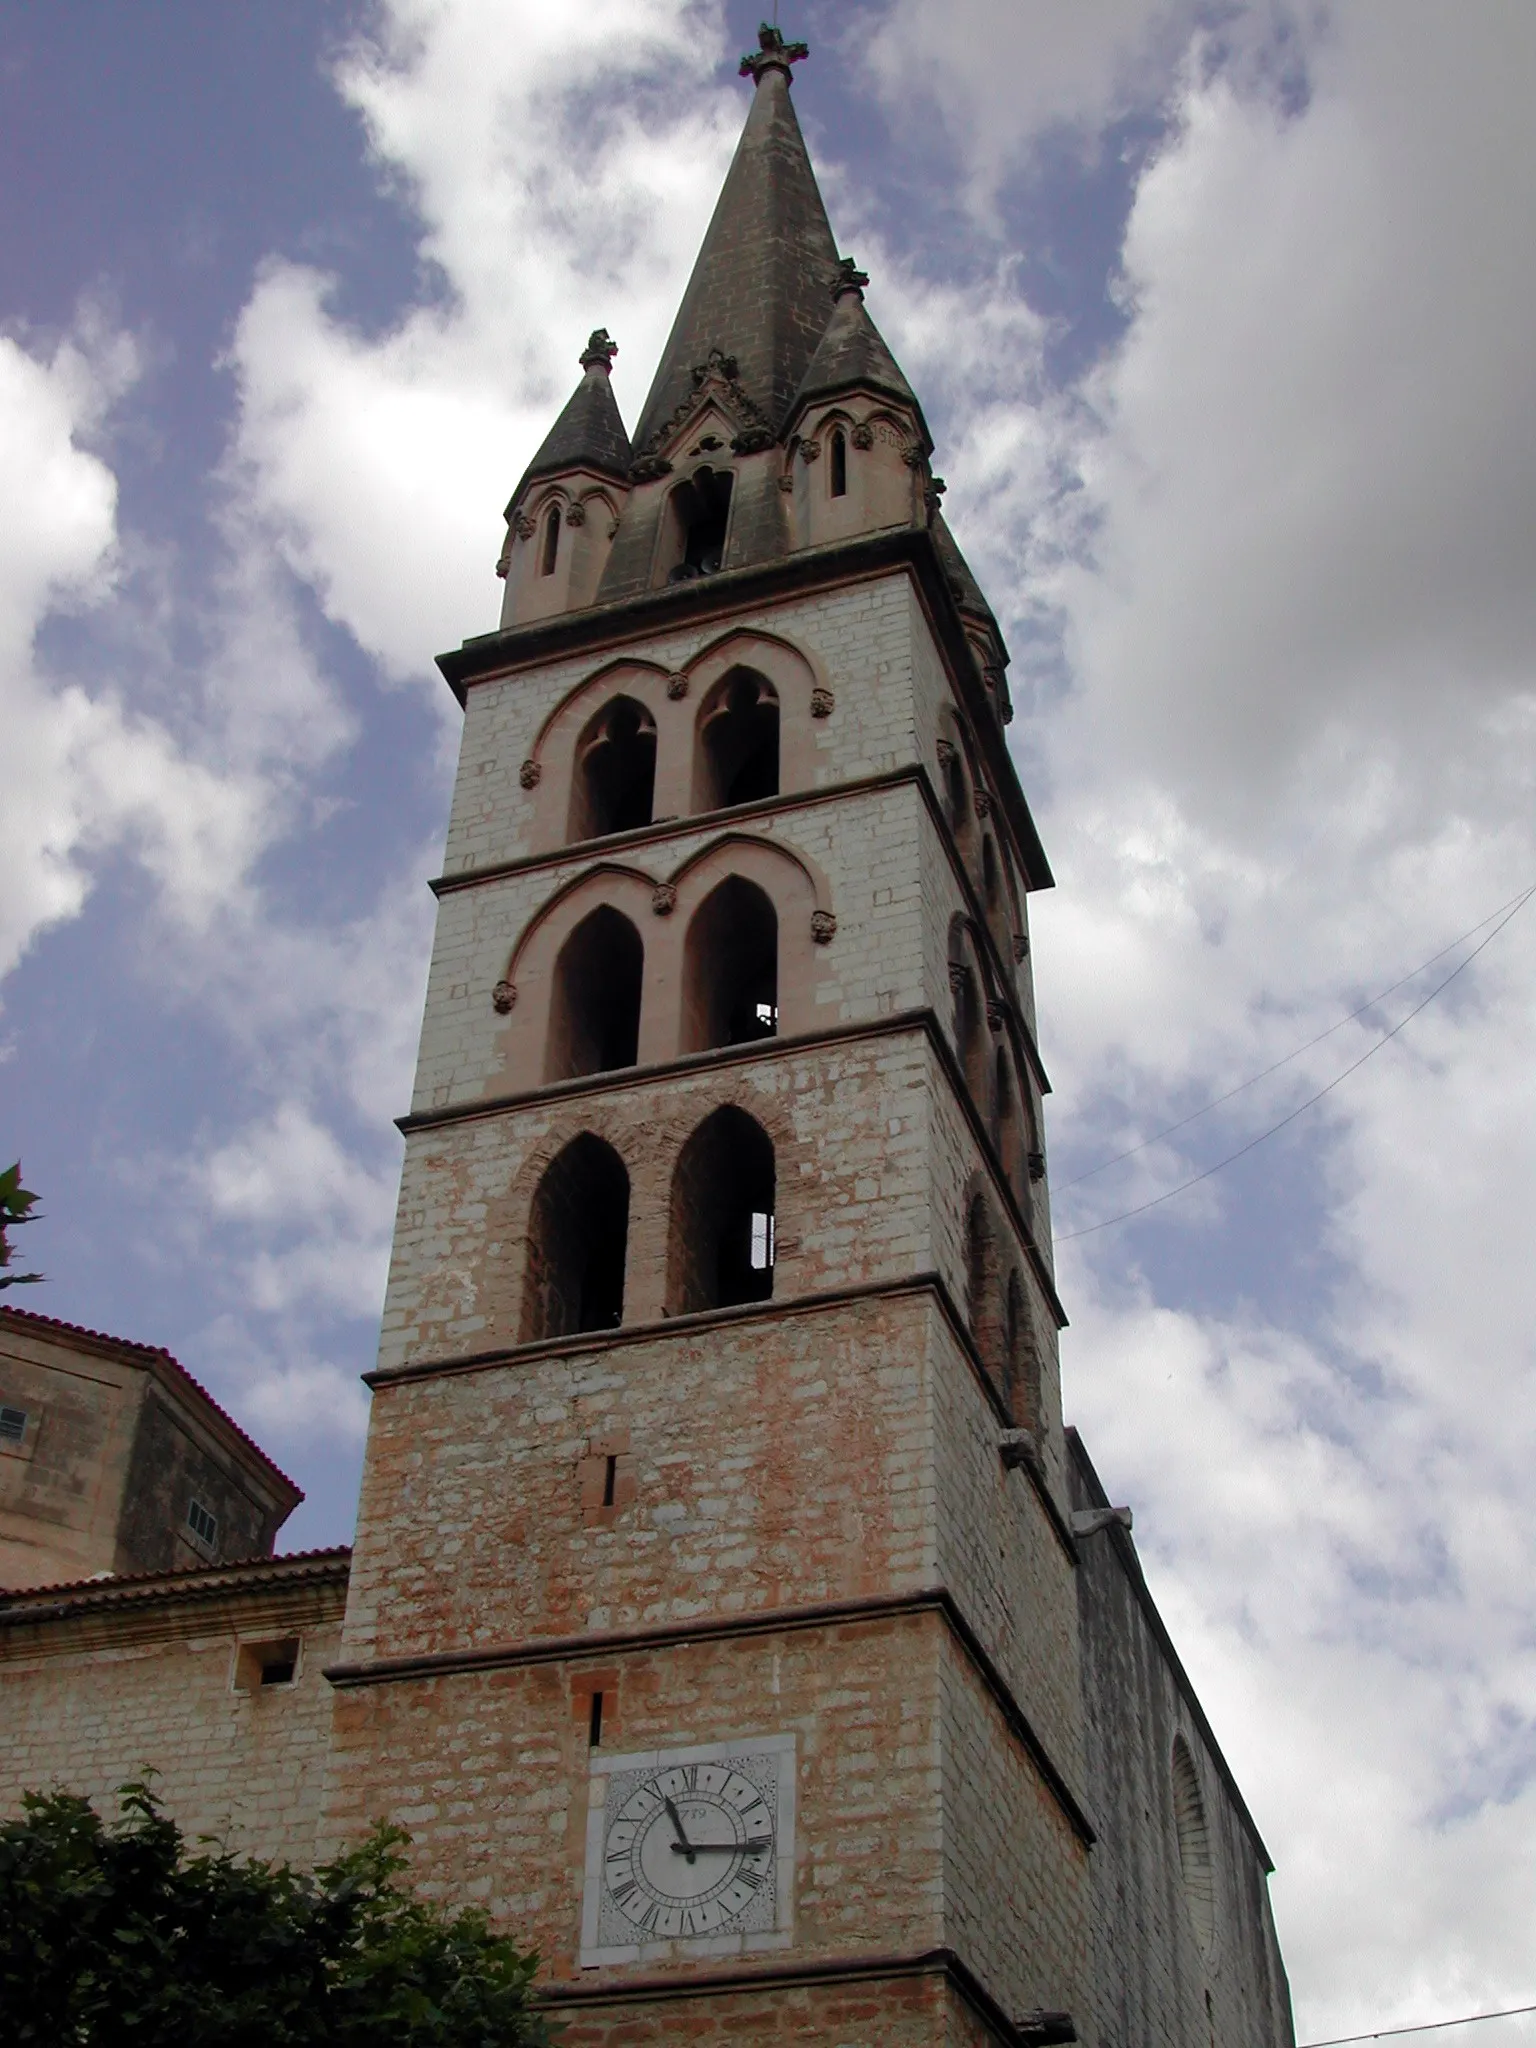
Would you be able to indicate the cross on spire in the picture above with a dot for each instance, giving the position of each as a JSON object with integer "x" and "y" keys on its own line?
{"x": 774, "y": 55}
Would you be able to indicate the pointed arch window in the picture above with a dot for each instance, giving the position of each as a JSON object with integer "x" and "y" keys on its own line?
{"x": 721, "y": 1250}
{"x": 698, "y": 513}
{"x": 614, "y": 786}
{"x": 594, "y": 1013}
{"x": 578, "y": 1231}
{"x": 837, "y": 466}
{"x": 549, "y": 546}
{"x": 738, "y": 752}
{"x": 731, "y": 968}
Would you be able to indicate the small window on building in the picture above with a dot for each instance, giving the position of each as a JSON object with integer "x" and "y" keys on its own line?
{"x": 698, "y": 513}
{"x": 262, "y": 1664}
{"x": 13, "y": 1425}
{"x": 551, "y": 547}
{"x": 203, "y": 1524}
{"x": 837, "y": 469}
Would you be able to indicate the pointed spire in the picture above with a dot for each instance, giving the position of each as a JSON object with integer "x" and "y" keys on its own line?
{"x": 759, "y": 287}
{"x": 589, "y": 434}
{"x": 852, "y": 355}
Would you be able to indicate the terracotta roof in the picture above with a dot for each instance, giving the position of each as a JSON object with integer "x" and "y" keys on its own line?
{"x": 589, "y": 434}
{"x": 163, "y": 1358}
{"x": 761, "y": 284}
{"x": 203, "y": 1581}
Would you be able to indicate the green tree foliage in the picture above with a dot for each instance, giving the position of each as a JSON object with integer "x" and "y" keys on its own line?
{"x": 16, "y": 1204}
{"x": 115, "y": 1934}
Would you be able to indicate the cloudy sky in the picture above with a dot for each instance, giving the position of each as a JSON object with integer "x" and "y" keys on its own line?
{"x": 1224, "y": 319}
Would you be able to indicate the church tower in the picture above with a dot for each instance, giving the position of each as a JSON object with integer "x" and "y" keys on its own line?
{"x": 715, "y": 1612}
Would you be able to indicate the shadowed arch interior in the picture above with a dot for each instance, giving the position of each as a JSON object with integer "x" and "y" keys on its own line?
{"x": 613, "y": 786}
{"x": 578, "y": 1231}
{"x": 731, "y": 967}
{"x": 738, "y": 752}
{"x": 722, "y": 1236}
{"x": 698, "y": 513}
{"x": 1195, "y": 1863}
{"x": 594, "y": 1011}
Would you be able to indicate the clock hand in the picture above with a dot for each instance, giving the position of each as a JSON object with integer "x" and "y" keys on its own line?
{"x": 721, "y": 1848}
{"x": 682, "y": 1846}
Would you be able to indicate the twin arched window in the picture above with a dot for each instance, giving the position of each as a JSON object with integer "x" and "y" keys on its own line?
{"x": 730, "y": 982}
{"x": 720, "y": 1250}
{"x": 613, "y": 784}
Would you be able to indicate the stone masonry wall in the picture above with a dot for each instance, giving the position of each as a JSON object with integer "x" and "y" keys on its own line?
{"x": 87, "y": 1704}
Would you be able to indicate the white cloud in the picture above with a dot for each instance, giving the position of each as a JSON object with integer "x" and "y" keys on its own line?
{"x": 563, "y": 165}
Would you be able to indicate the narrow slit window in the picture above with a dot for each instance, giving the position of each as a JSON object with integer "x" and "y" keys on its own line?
{"x": 610, "y": 1480}
{"x": 203, "y": 1524}
{"x": 762, "y": 1241}
{"x": 551, "y": 541}
{"x": 838, "y": 468}
{"x": 13, "y": 1425}
{"x": 595, "y": 1724}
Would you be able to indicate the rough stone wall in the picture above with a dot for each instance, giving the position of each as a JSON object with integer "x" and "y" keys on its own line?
{"x": 87, "y": 1703}
{"x": 772, "y": 1462}
{"x": 61, "y": 1489}
{"x": 874, "y": 2012}
{"x": 168, "y": 1467}
{"x": 1159, "y": 1982}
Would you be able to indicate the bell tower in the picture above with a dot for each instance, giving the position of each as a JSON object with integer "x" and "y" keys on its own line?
{"x": 714, "y": 1614}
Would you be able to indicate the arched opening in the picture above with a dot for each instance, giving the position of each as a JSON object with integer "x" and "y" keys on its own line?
{"x": 1005, "y": 1122}
{"x": 698, "y": 513}
{"x": 722, "y": 1238}
{"x": 837, "y": 468}
{"x": 594, "y": 1013}
{"x": 731, "y": 968}
{"x": 738, "y": 758}
{"x": 614, "y": 783}
{"x": 956, "y": 803}
{"x": 967, "y": 1017}
{"x": 1021, "y": 1360}
{"x": 578, "y": 1229}
{"x": 550, "y": 546}
{"x": 1195, "y": 1863}
{"x": 982, "y": 1304}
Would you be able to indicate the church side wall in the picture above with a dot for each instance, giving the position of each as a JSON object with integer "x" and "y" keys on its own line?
{"x": 89, "y": 1703}
{"x": 1165, "y": 1974}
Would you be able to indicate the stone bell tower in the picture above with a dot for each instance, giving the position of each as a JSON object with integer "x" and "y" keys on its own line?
{"x": 715, "y": 1617}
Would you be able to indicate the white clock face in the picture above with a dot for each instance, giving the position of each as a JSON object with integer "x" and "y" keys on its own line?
{"x": 691, "y": 1848}
{"x": 689, "y": 1851}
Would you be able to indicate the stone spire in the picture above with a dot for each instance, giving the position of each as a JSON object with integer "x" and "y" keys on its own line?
{"x": 589, "y": 434}
{"x": 759, "y": 287}
{"x": 852, "y": 355}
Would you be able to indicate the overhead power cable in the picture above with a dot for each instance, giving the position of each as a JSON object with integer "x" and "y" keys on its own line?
{"x": 1194, "y": 1180}
{"x": 1253, "y": 1080}
{"x": 1467, "y": 2019}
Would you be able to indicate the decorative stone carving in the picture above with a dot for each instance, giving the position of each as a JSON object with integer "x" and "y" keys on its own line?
{"x": 709, "y": 444}
{"x": 503, "y": 564}
{"x": 959, "y": 975}
{"x": 809, "y": 450}
{"x": 613, "y": 529}
{"x": 1020, "y": 946}
{"x": 1035, "y": 1161}
{"x": 752, "y": 440}
{"x": 946, "y": 752}
{"x": 933, "y": 491}
{"x": 823, "y": 927}
{"x": 786, "y": 481}
{"x": 983, "y": 803}
{"x": 528, "y": 775}
{"x": 849, "y": 278}
{"x": 822, "y": 702}
{"x": 600, "y": 349}
{"x": 575, "y": 515}
{"x": 1007, "y": 711}
{"x": 863, "y": 435}
{"x": 664, "y": 899}
{"x": 774, "y": 55}
{"x": 677, "y": 686}
{"x": 997, "y": 1014}
{"x": 649, "y": 468}
{"x": 524, "y": 524}
{"x": 503, "y": 996}
{"x": 913, "y": 456}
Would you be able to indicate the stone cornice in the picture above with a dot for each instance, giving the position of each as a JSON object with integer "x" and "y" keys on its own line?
{"x": 872, "y": 1608}
{"x": 492, "y": 656}
{"x": 1026, "y": 2032}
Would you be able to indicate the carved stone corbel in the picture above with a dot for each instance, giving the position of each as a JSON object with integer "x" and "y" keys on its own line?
{"x": 503, "y": 996}
{"x": 823, "y": 927}
{"x": 863, "y": 435}
{"x": 822, "y": 702}
{"x": 528, "y": 775}
{"x": 664, "y": 899}
{"x": 1020, "y": 946}
{"x": 677, "y": 686}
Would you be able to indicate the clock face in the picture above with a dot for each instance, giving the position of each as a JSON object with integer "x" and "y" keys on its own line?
{"x": 691, "y": 1848}
{"x": 689, "y": 1851}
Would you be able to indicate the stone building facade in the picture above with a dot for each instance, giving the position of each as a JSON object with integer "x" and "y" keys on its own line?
{"x": 731, "y": 1613}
